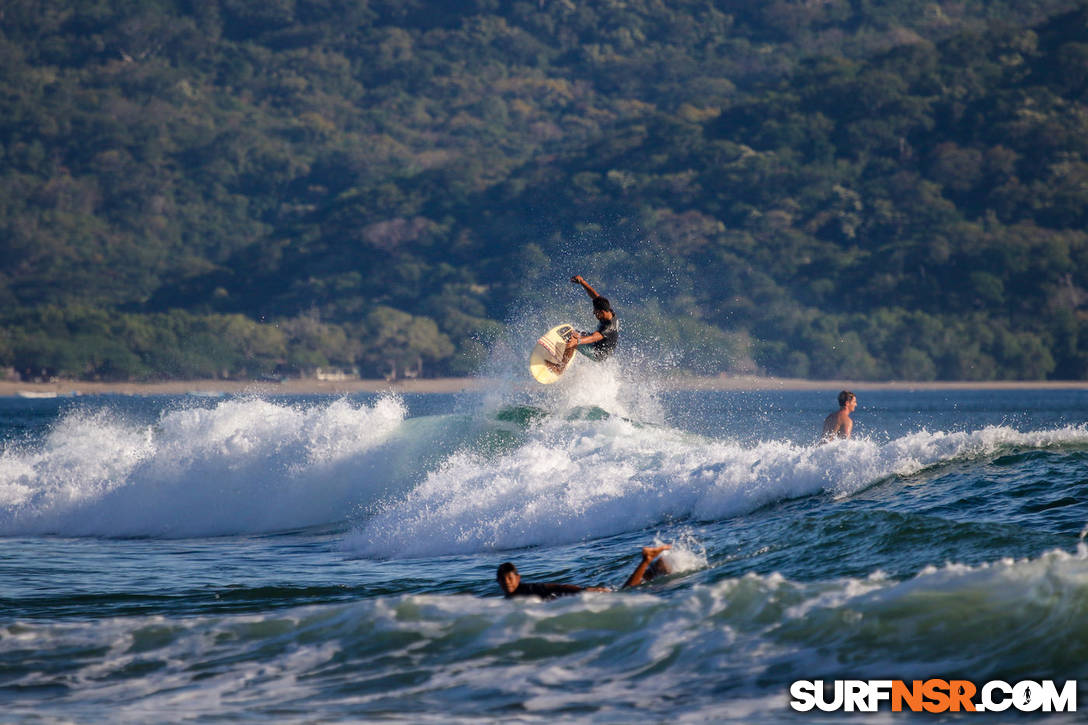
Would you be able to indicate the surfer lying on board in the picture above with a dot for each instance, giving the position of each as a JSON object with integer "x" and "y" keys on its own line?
{"x": 602, "y": 342}
{"x": 838, "y": 424}
{"x": 511, "y": 584}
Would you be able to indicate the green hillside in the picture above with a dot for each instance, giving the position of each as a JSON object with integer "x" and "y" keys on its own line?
{"x": 850, "y": 188}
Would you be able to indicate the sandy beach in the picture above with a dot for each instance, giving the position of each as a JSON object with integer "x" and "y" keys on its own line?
{"x": 304, "y": 386}
{"x": 456, "y": 385}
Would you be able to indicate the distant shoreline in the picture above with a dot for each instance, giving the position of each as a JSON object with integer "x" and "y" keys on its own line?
{"x": 457, "y": 385}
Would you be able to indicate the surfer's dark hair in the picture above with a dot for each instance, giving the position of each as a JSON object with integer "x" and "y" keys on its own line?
{"x": 504, "y": 569}
{"x": 845, "y": 397}
{"x": 601, "y": 303}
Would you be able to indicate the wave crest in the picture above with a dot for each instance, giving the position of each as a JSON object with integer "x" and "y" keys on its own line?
{"x": 243, "y": 466}
{"x": 575, "y": 479}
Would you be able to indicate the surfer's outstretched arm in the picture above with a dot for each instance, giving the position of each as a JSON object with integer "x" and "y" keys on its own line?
{"x": 649, "y": 553}
{"x": 589, "y": 339}
{"x": 578, "y": 279}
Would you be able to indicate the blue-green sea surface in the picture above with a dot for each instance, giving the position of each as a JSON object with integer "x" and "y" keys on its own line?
{"x": 332, "y": 559}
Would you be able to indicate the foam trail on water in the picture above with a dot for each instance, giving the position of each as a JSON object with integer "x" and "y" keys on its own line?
{"x": 243, "y": 466}
{"x": 582, "y": 479}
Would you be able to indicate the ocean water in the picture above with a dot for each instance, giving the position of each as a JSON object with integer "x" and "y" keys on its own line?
{"x": 332, "y": 559}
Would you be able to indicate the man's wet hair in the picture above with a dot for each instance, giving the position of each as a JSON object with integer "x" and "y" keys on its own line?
{"x": 845, "y": 397}
{"x": 601, "y": 303}
{"x": 504, "y": 569}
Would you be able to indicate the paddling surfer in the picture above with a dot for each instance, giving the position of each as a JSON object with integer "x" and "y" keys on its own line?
{"x": 602, "y": 343}
{"x": 650, "y": 566}
{"x": 838, "y": 424}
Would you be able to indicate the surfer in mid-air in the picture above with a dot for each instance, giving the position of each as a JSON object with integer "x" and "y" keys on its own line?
{"x": 650, "y": 566}
{"x": 838, "y": 424}
{"x": 602, "y": 343}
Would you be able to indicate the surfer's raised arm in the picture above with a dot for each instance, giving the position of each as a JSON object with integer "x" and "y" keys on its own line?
{"x": 650, "y": 566}
{"x": 578, "y": 279}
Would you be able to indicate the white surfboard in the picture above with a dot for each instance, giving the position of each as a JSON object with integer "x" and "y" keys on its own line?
{"x": 549, "y": 349}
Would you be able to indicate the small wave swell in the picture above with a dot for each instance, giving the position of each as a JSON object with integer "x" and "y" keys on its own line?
{"x": 616, "y": 656}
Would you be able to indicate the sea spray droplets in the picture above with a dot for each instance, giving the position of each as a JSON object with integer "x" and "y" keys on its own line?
{"x": 337, "y": 431}
{"x": 84, "y": 456}
{"x": 624, "y": 385}
{"x": 686, "y": 555}
{"x": 245, "y": 465}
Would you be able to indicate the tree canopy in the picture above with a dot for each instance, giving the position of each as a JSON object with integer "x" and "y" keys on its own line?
{"x": 222, "y": 188}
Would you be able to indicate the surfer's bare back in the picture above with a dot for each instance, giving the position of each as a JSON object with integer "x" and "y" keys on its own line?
{"x": 839, "y": 424}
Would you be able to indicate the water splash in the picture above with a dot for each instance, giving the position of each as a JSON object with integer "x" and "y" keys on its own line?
{"x": 583, "y": 479}
{"x": 245, "y": 465}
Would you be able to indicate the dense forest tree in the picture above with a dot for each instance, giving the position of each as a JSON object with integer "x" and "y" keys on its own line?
{"x": 222, "y": 188}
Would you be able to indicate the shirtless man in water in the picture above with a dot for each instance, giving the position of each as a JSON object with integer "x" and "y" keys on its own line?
{"x": 838, "y": 424}
{"x": 511, "y": 584}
